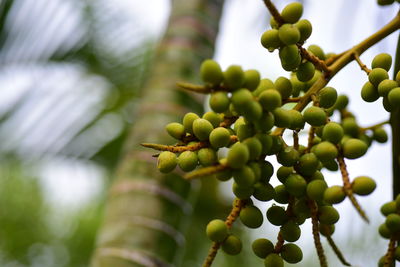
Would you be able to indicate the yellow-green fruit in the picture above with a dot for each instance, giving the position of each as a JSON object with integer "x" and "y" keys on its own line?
{"x": 334, "y": 194}
{"x": 317, "y": 51}
{"x": 263, "y": 191}
{"x": 386, "y": 86}
{"x": 273, "y": 260}
{"x": 210, "y": 72}
{"x": 244, "y": 131}
{"x": 316, "y": 189}
{"x": 328, "y": 215}
{"x": 213, "y": 117}
{"x": 266, "y": 141}
{"x": 281, "y": 195}
{"x": 394, "y": 97}
{"x": 380, "y": 135}
{"x": 265, "y": 84}
{"x": 252, "y": 111}
{"x": 202, "y": 129}
{"x": 277, "y": 145}
{"x": 290, "y": 55}
{"x": 315, "y": 116}
{"x": 387, "y": 105}
{"x": 277, "y": 215}
{"x": 290, "y": 231}
{"x": 297, "y": 119}
{"x": 176, "y": 130}
{"x": 291, "y": 253}
{"x": 267, "y": 170}
{"x": 388, "y": 208}
{"x": 326, "y": 229}
{"x": 207, "y": 156}
{"x": 220, "y": 137}
{"x": 332, "y": 132}
{"x": 188, "y": 120}
{"x": 363, "y": 185}
{"x": 296, "y": 185}
{"x": 308, "y": 164}
{"x": 244, "y": 176}
{"x": 265, "y": 123}
{"x": 217, "y": 230}
{"x": 224, "y": 176}
{"x": 232, "y": 245}
{"x": 330, "y": 165}
{"x": 241, "y": 98}
{"x": 242, "y": 192}
{"x": 282, "y": 117}
{"x": 255, "y": 147}
{"x": 350, "y": 127}
{"x": 270, "y": 39}
{"x": 284, "y": 87}
{"x": 305, "y": 71}
{"x": 341, "y": 102}
{"x": 187, "y": 161}
{"x": 354, "y": 148}
{"x": 262, "y": 247}
{"x": 384, "y": 231}
{"x": 397, "y": 253}
{"x": 219, "y": 102}
{"x": 393, "y": 222}
{"x": 238, "y": 155}
{"x": 251, "y": 216}
{"x": 383, "y": 61}
{"x": 382, "y": 260}
{"x": 292, "y": 12}
{"x": 297, "y": 86}
{"x": 289, "y": 34}
{"x": 166, "y": 162}
{"x": 369, "y": 93}
{"x": 234, "y": 77}
{"x": 327, "y": 97}
{"x": 305, "y": 29}
{"x": 288, "y": 156}
{"x": 251, "y": 79}
{"x": 377, "y": 75}
{"x": 270, "y": 99}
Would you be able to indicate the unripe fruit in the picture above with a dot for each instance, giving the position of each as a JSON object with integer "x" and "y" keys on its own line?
{"x": 241, "y": 97}
{"x": 281, "y": 194}
{"x": 277, "y": 215}
{"x": 210, "y": 72}
{"x": 284, "y": 87}
{"x": 291, "y": 253}
{"x": 363, "y": 185}
{"x": 262, "y": 247}
{"x": 242, "y": 192}
{"x": 251, "y": 79}
{"x": 252, "y": 111}
{"x": 270, "y": 40}
{"x": 383, "y": 61}
{"x": 188, "y": 120}
{"x": 332, "y": 132}
{"x": 316, "y": 189}
{"x": 244, "y": 131}
{"x": 305, "y": 71}
{"x": 305, "y": 29}
{"x": 334, "y": 194}
{"x": 270, "y": 99}
{"x": 217, "y": 230}
{"x": 263, "y": 191}
{"x": 325, "y": 151}
{"x": 297, "y": 86}
{"x": 331, "y": 165}
{"x": 386, "y": 86}
{"x": 187, "y": 161}
{"x": 328, "y": 215}
{"x": 388, "y": 208}
{"x": 232, "y": 245}
{"x": 369, "y": 92}
{"x": 317, "y": 51}
{"x": 202, "y": 129}
{"x": 273, "y": 260}
{"x": 341, "y": 102}
{"x": 292, "y": 12}
{"x": 387, "y": 105}
{"x": 290, "y": 231}
{"x": 266, "y": 122}
{"x": 277, "y": 145}
{"x": 315, "y": 116}
{"x": 394, "y": 97}
{"x": 283, "y": 173}
{"x": 266, "y": 171}
{"x": 297, "y": 119}
{"x": 238, "y": 155}
{"x": 350, "y": 127}
{"x": 251, "y": 216}
{"x": 308, "y": 164}
{"x": 397, "y": 253}
{"x": 219, "y": 101}
{"x": 354, "y": 148}
{"x": 220, "y": 137}
{"x": 255, "y": 147}
{"x": 289, "y": 34}
{"x": 384, "y": 231}
{"x": 327, "y": 97}
{"x": 214, "y": 118}
{"x": 377, "y": 75}
{"x": 244, "y": 176}
{"x": 265, "y": 84}
{"x": 296, "y": 185}
{"x": 393, "y": 222}
{"x": 282, "y": 117}
{"x": 166, "y": 162}
{"x": 224, "y": 175}
{"x": 234, "y": 77}
{"x": 290, "y": 55}
{"x": 326, "y": 229}
{"x": 207, "y": 156}
{"x": 288, "y": 156}
{"x": 176, "y": 130}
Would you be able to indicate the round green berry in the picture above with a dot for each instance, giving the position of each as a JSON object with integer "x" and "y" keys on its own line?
{"x": 241, "y": 97}
{"x": 317, "y": 51}
{"x": 219, "y": 101}
{"x": 238, "y": 155}
{"x": 283, "y": 173}
{"x": 283, "y": 86}
{"x": 220, "y": 137}
{"x": 297, "y": 121}
{"x": 255, "y": 147}
{"x": 290, "y": 231}
{"x": 315, "y": 116}
{"x": 363, "y": 185}
{"x": 166, "y": 162}
{"x": 383, "y": 61}
{"x": 187, "y": 161}
{"x": 288, "y": 156}
{"x": 380, "y": 135}
{"x": 210, "y": 72}
{"x": 281, "y": 194}
{"x": 263, "y": 191}
{"x": 207, "y": 156}
{"x": 214, "y": 118}
{"x": 232, "y": 245}
{"x": 327, "y": 97}
{"x": 332, "y": 132}
{"x": 289, "y": 34}
{"x": 273, "y": 260}
{"x": 234, "y": 77}
{"x": 308, "y": 164}
{"x": 277, "y": 215}
{"x": 251, "y": 216}
{"x": 266, "y": 171}
{"x": 290, "y": 55}
{"x": 305, "y": 71}
{"x": 244, "y": 176}
{"x": 316, "y": 189}
{"x": 270, "y": 39}
{"x": 326, "y": 229}
{"x": 328, "y": 215}
{"x": 394, "y": 97}
{"x": 388, "y": 208}
{"x": 282, "y": 117}
{"x": 202, "y": 129}
{"x": 244, "y": 131}
{"x": 251, "y": 79}
{"x": 296, "y": 185}
{"x": 305, "y": 29}
{"x": 369, "y": 93}
{"x": 384, "y": 231}
{"x": 341, "y": 102}
{"x": 354, "y": 148}
{"x": 325, "y": 151}
{"x": 292, "y": 12}
{"x": 393, "y": 222}
{"x": 188, "y": 120}
{"x": 386, "y": 86}
{"x": 397, "y": 253}
{"x": 350, "y": 127}
{"x": 377, "y": 75}
{"x": 176, "y": 130}
{"x": 266, "y": 122}
{"x": 291, "y": 253}
{"x": 262, "y": 247}
{"x": 217, "y": 230}
{"x": 242, "y": 192}
{"x": 270, "y": 99}
{"x": 334, "y": 194}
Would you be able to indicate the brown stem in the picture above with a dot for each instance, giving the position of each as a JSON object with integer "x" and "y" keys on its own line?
{"x": 296, "y": 140}
{"x": 212, "y": 252}
{"x": 291, "y": 100}
{"x": 318, "y": 63}
{"x": 315, "y": 231}
{"x": 372, "y": 127}
{"x": 274, "y": 12}
{"x": 337, "y": 251}
{"x": 176, "y": 149}
{"x": 311, "y": 134}
{"x": 360, "y": 63}
{"x": 279, "y": 243}
{"x": 390, "y": 253}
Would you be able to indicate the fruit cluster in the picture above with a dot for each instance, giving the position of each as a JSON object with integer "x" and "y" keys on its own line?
{"x": 387, "y": 2}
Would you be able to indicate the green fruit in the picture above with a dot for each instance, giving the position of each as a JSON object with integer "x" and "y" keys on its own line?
{"x": 305, "y": 72}
{"x": 282, "y": 117}
{"x": 273, "y": 260}
{"x": 244, "y": 176}
{"x": 288, "y": 156}
{"x": 244, "y": 131}
{"x": 266, "y": 171}
{"x": 296, "y": 185}
{"x": 187, "y": 161}
{"x": 232, "y": 245}
{"x": 262, "y": 247}
{"x": 388, "y": 208}
{"x": 290, "y": 231}
{"x": 334, "y": 194}
{"x": 210, "y": 72}
{"x": 263, "y": 191}
{"x": 325, "y": 151}
{"x": 281, "y": 194}
{"x": 369, "y": 93}
{"x": 394, "y": 97}
{"x": 284, "y": 87}
{"x": 266, "y": 141}
{"x": 241, "y": 98}
{"x": 377, "y": 75}
{"x": 219, "y": 101}
{"x": 270, "y": 40}
{"x": 202, "y": 129}
{"x": 277, "y": 215}
{"x": 332, "y": 132}
{"x": 220, "y": 137}
{"x": 310, "y": 83}
{"x": 327, "y": 97}
{"x": 297, "y": 86}
{"x": 270, "y": 99}
{"x": 256, "y": 168}
{"x": 292, "y": 12}
{"x": 290, "y": 55}
{"x": 363, "y": 185}
{"x": 384, "y": 231}
{"x": 341, "y": 102}
{"x": 234, "y": 77}
{"x": 277, "y": 145}
{"x": 291, "y": 253}
{"x": 242, "y": 192}
{"x": 354, "y": 148}
{"x": 265, "y": 84}
{"x": 308, "y": 164}
{"x": 251, "y": 79}
{"x": 166, "y": 162}
{"x": 217, "y": 230}
{"x": 393, "y": 222}
{"x": 251, "y": 216}
{"x": 330, "y": 165}
{"x": 224, "y": 175}
{"x": 386, "y": 86}
{"x": 238, "y": 155}
{"x": 255, "y": 147}
{"x": 328, "y": 215}
{"x": 214, "y": 118}
{"x": 317, "y": 176}
{"x": 207, "y": 156}
{"x": 305, "y": 29}
{"x": 316, "y": 189}
{"x": 350, "y": 127}
{"x": 283, "y": 173}
{"x": 289, "y": 34}
{"x": 188, "y": 120}
{"x": 387, "y": 105}
{"x": 326, "y": 229}
{"x": 383, "y": 61}
{"x": 252, "y": 111}
{"x": 266, "y": 122}
{"x": 297, "y": 119}
{"x": 315, "y": 116}
{"x": 317, "y": 51}
{"x": 176, "y": 130}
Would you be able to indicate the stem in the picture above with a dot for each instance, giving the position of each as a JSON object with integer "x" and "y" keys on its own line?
{"x": 360, "y": 63}
{"x": 176, "y": 149}
{"x": 211, "y": 254}
{"x": 390, "y": 252}
{"x": 372, "y": 127}
{"x": 315, "y": 231}
{"x": 279, "y": 243}
{"x": 337, "y": 251}
{"x": 274, "y": 12}
{"x": 205, "y": 171}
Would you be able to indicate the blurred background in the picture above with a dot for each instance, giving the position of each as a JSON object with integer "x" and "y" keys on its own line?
{"x": 70, "y": 73}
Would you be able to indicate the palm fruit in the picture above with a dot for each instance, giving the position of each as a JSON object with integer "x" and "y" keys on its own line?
{"x": 207, "y": 156}
{"x": 277, "y": 215}
{"x": 292, "y": 12}
{"x": 284, "y": 87}
{"x": 262, "y": 247}
{"x": 377, "y": 75}
{"x": 244, "y": 176}
{"x": 282, "y": 117}
{"x": 255, "y": 147}
{"x": 291, "y": 253}
{"x": 326, "y": 229}
{"x": 220, "y": 137}
{"x": 305, "y": 28}
{"x": 188, "y": 120}
{"x": 251, "y": 79}
{"x": 394, "y": 97}
{"x": 393, "y": 222}
{"x": 328, "y": 215}
{"x": 219, "y": 101}
{"x": 232, "y": 245}
{"x": 270, "y": 40}
{"x": 270, "y": 99}
{"x": 383, "y": 61}
{"x": 308, "y": 164}
{"x": 210, "y": 72}
{"x": 327, "y": 97}
{"x": 233, "y": 77}
{"x": 288, "y": 156}
{"x": 217, "y": 230}
{"x": 187, "y": 161}
{"x": 273, "y": 260}
{"x": 242, "y": 192}
{"x": 238, "y": 155}
{"x": 317, "y": 51}
{"x": 315, "y": 190}
{"x": 315, "y": 116}
{"x": 297, "y": 121}
{"x": 166, "y": 161}
{"x": 385, "y": 86}
{"x": 334, "y": 194}
{"x": 296, "y": 185}
{"x": 251, "y": 216}
{"x": 354, "y": 148}
{"x": 380, "y": 135}
{"x": 332, "y": 132}
{"x": 369, "y": 93}
{"x": 388, "y": 208}
{"x": 305, "y": 72}
{"x": 363, "y": 185}
{"x": 325, "y": 151}
{"x": 289, "y": 34}
{"x": 290, "y": 231}
{"x": 281, "y": 194}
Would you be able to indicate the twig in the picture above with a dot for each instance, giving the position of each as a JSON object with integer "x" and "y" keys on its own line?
{"x": 337, "y": 251}
{"x": 372, "y": 127}
{"x": 194, "y": 88}
{"x": 360, "y": 63}
{"x": 176, "y": 149}
{"x": 228, "y": 121}
{"x": 295, "y": 140}
{"x": 291, "y": 100}
{"x": 318, "y": 63}
{"x": 311, "y": 134}
{"x": 390, "y": 252}
{"x": 274, "y": 12}
{"x": 315, "y": 231}
{"x": 279, "y": 243}
{"x": 212, "y": 252}
{"x": 205, "y": 171}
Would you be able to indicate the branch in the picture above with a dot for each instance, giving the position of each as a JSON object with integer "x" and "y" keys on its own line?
{"x": 315, "y": 231}
{"x": 318, "y": 63}
{"x": 337, "y": 251}
{"x": 360, "y": 63}
{"x": 274, "y": 12}
{"x": 176, "y": 149}
{"x": 390, "y": 252}
{"x": 205, "y": 171}
{"x": 372, "y": 127}
{"x": 194, "y": 88}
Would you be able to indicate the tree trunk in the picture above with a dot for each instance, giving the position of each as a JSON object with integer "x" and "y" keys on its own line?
{"x": 146, "y": 211}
